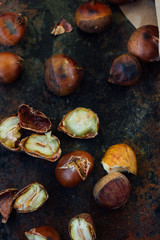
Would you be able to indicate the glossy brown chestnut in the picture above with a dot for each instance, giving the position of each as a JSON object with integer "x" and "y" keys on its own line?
{"x": 125, "y": 70}
{"x": 12, "y": 28}
{"x": 10, "y": 67}
{"x": 42, "y": 233}
{"x": 93, "y": 17}
{"x": 112, "y": 191}
{"x": 119, "y": 2}
{"x": 143, "y": 43}
{"x": 74, "y": 168}
{"x": 62, "y": 74}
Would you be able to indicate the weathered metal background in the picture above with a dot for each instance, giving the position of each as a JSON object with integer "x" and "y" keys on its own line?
{"x": 127, "y": 114}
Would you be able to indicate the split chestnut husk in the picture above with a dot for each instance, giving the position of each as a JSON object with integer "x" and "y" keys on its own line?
{"x": 82, "y": 227}
{"x": 6, "y": 200}
{"x": 33, "y": 120}
{"x": 80, "y": 123}
{"x": 12, "y": 28}
{"x": 42, "y": 233}
{"x": 45, "y": 146}
{"x": 10, "y": 133}
{"x": 30, "y": 198}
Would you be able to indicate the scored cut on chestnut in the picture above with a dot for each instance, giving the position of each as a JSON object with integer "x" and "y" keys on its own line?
{"x": 80, "y": 123}
{"x": 33, "y": 120}
{"x": 125, "y": 70}
{"x": 120, "y": 158}
{"x": 81, "y": 227}
{"x": 112, "y": 191}
{"x": 12, "y": 28}
{"x": 30, "y": 198}
{"x": 6, "y": 200}
{"x": 62, "y": 74}
{"x": 10, "y": 67}
{"x": 143, "y": 43}
{"x": 42, "y": 233}
{"x": 93, "y": 16}
{"x": 73, "y": 168}
{"x": 10, "y": 133}
{"x": 45, "y": 146}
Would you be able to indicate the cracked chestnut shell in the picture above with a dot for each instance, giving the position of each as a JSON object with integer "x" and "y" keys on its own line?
{"x": 42, "y": 233}
{"x": 12, "y": 28}
{"x": 112, "y": 191}
{"x": 82, "y": 227}
{"x": 125, "y": 70}
{"x": 143, "y": 43}
{"x": 33, "y": 120}
{"x": 62, "y": 74}
{"x": 93, "y": 17}
{"x": 73, "y": 168}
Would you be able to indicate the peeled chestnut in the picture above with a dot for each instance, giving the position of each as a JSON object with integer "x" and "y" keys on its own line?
{"x": 42, "y": 233}
{"x": 112, "y": 191}
{"x": 125, "y": 70}
{"x": 74, "y": 168}
{"x": 62, "y": 74}
{"x": 10, "y": 67}
{"x": 93, "y": 16}
{"x": 143, "y": 43}
{"x": 118, "y": 2}
{"x": 12, "y": 28}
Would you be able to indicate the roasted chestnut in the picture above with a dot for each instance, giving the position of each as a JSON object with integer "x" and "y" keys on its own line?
{"x": 42, "y": 233}
{"x": 112, "y": 191}
{"x": 125, "y": 70}
{"x": 93, "y": 16}
{"x": 74, "y": 168}
{"x": 81, "y": 227}
{"x": 118, "y": 2}
{"x": 10, "y": 67}
{"x": 143, "y": 43}
{"x": 12, "y": 28}
{"x": 62, "y": 74}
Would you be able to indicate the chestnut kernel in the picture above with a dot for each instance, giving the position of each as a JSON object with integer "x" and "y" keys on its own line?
{"x": 81, "y": 227}
{"x": 125, "y": 70}
{"x": 62, "y": 74}
{"x": 143, "y": 43}
{"x": 45, "y": 146}
{"x": 119, "y": 2}
{"x": 73, "y": 168}
{"x": 30, "y": 198}
{"x": 80, "y": 123}
{"x": 33, "y": 120}
{"x": 112, "y": 191}
{"x": 42, "y": 233}
{"x": 10, "y": 67}
{"x": 12, "y": 28}
{"x": 93, "y": 17}
{"x": 10, "y": 132}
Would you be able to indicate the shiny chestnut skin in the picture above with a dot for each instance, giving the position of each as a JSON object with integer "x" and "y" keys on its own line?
{"x": 73, "y": 168}
{"x": 47, "y": 232}
{"x": 119, "y": 2}
{"x": 10, "y": 67}
{"x": 143, "y": 43}
{"x": 93, "y": 17}
{"x": 12, "y": 28}
{"x": 62, "y": 74}
{"x": 125, "y": 70}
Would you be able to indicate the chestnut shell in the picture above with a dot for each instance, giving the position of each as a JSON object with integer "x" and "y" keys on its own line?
{"x": 46, "y": 231}
{"x": 93, "y": 17}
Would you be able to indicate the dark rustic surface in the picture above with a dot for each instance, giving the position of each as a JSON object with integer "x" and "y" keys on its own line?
{"x": 127, "y": 114}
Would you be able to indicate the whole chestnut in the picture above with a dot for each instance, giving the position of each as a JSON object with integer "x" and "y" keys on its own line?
{"x": 119, "y": 2}
{"x": 143, "y": 43}
{"x": 42, "y": 232}
{"x": 125, "y": 70}
{"x": 62, "y": 74}
{"x": 12, "y": 28}
{"x": 93, "y": 16}
{"x": 112, "y": 191}
{"x": 10, "y": 67}
{"x": 73, "y": 168}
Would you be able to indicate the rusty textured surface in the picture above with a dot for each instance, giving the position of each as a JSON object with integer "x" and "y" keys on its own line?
{"x": 127, "y": 114}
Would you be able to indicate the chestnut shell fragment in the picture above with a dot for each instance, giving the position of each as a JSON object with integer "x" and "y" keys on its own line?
{"x": 33, "y": 120}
